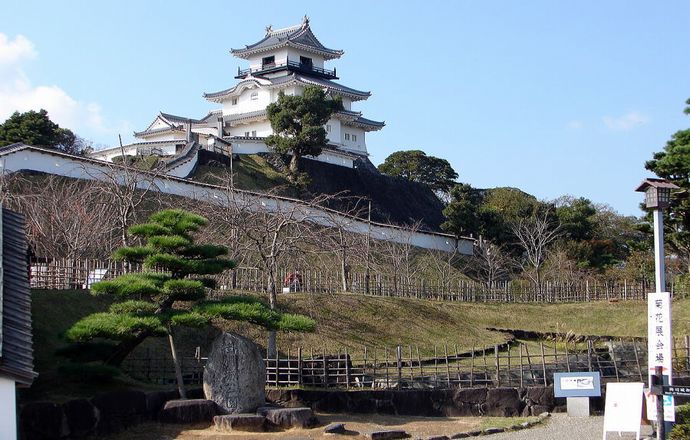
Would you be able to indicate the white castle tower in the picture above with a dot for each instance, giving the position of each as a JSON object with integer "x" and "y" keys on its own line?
{"x": 285, "y": 60}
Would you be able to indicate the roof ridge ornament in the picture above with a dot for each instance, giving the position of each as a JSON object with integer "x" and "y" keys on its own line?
{"x": 305, "y": 21}
{"x": 269, "y": 29}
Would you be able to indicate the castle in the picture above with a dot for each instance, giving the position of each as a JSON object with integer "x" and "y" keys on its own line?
{"x": 285, "y": 60}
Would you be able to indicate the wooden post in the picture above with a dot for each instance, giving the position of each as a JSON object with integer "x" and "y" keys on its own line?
{"x": 615, "y": 364}
{"x": 409, "y": 351}
{"x": 687, "y": 352}
{"x": 521, "y": 372}
{"x": 419, "y": 362}
{"x": 510, "y": 379}
{"x": 567, "y": 356}
{"x": 543, "y": 362}
{"x": 364, "y": 367}
{"x": 325, "y": 369}
{"x": 472, "y": 368}
{"x": 347, "y": 369}
{"x": 373, "y": 373}
{"x": 498, "y": 367}
{"x": 637, "y": 361}
{"x": 445, "y": 349}
{"x": 388, "y": 383}
{"x": 589, "y": 354}
{"x": 398, "y": 358}
{"x": 486, "y": 368}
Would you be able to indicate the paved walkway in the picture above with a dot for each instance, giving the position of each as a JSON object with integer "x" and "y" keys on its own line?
{"x": 561, "y": 427}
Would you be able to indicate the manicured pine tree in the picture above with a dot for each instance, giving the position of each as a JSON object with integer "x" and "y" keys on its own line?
{"x": 172, "y": 292}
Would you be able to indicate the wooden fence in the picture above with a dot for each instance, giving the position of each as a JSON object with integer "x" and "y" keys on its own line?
{"x": 78, "y": 274}
{"x": 411, "y": 367}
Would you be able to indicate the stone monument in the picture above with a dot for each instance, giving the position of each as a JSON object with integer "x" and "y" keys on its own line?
{"x": 235, "y": 374}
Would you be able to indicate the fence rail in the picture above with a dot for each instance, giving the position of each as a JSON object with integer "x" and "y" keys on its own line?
{"x": 411, "y": 367}
{"x": 76, "y": 274}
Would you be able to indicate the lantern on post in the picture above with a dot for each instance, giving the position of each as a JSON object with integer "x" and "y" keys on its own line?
{"x": 657, "y": 198}
{"x": 657, "y": 193}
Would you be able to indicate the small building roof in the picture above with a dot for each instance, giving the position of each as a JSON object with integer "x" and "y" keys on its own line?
{"x": 299, "y": 37}
{"x": 656, "y": 183}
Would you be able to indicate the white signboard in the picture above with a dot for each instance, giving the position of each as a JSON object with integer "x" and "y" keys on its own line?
{"x": 659, "y": 340}
{"x": 623, "y": 409}
{"x": 659, "y": 331}
{"x": 577, "y": 383}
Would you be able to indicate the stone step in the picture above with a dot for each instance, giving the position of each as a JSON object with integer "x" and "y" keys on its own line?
{"x": 390, "y": 434}
{"x": 188, "y": 411}
{"x": 287, "y": 418}
{"x": 240, "y": 422}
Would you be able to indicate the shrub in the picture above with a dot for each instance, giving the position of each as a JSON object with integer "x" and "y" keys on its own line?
{"x": 88, "y": 372}
{"x": 683, "y": 414}
{"x": 680, "y": 432}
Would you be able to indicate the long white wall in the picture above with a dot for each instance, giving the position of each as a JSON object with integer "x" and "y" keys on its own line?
{"x": 8, "y": 409}
{"x": 70, "y": 166}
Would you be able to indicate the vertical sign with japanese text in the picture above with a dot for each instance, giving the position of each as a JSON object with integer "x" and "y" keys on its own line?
{"x": 660, "y": 345}
{"x": 659, "y": 331}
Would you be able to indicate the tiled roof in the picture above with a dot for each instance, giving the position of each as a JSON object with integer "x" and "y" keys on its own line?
{"x": 286, "y": 81}
{"x": 300, "y": 37}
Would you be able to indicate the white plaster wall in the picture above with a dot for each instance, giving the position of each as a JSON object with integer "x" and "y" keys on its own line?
{"x": 8, "y": 409}
{"x": 294, "y": 55}
{"x": 263, "y": 129}
{"x": 249, "y": 147}
{"x": 347, "y": 103}
{"x": 349, "y": 144}
{"x": 328, "y": 157}
{"x": 69, "y": 167}
{"x": 159, "y": 124}
{"x": 334, "y": 136}
{"x": 168, "y": 136}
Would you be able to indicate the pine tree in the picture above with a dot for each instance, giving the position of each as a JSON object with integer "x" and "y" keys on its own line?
{"x": 172, "y": 292}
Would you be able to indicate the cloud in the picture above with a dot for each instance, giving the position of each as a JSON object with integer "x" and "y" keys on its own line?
{"x": 625, "y": 122}
{"x": 574, "y": 125}
{"x": 17, "y": 93}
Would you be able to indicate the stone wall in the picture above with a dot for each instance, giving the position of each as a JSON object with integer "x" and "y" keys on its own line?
{"x": 103, "y": 414}
{"x": 503, "y": 402}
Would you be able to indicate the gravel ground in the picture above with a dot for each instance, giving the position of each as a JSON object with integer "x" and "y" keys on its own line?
{"x": 562, "y": 427}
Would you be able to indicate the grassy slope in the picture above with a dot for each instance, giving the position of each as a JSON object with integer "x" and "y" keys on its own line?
{"x": 252, "y": 172}
{"x": 351, "y": 321}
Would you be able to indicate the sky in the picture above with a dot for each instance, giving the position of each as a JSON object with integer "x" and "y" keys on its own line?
{"x": 555, "y": 98}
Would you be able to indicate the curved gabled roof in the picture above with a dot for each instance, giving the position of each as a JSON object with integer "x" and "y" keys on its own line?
{"x": 286, "y": 81}
{"x": 299, "y": 37}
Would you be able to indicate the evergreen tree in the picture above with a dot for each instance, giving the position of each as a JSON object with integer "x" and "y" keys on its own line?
{"x": 173, "y": 291}
{"x": 36, "y": 128}
{"x": 297, "y": 121}
{"x": 416, "y": 166}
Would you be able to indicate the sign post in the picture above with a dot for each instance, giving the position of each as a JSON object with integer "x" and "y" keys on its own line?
{"x": 577, "y": 388}
{"x": 657, "y": 197}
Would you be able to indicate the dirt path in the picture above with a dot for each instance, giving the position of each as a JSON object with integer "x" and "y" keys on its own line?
{"x": 562, "y": 427}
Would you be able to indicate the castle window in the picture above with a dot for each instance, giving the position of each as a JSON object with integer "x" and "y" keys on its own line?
{"x": 254, "y": 96}
{"x": 253, "y": 133}
{"x": 347, "y": 136}
{"x": 305, "y": 62}
{"x": 268, "y": 62}
{"x": 246, "y": 134}
{"x": 354, "y": 138}
{"x": 234, "y": 101}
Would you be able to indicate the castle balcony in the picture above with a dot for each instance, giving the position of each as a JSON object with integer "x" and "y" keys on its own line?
{"x": 289, "y": 65}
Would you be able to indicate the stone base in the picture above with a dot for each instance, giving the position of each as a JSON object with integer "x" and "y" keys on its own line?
{"x": 188, "y": 411}
{"x": 287, "y": 418}
{"x": 387, "y": 434}
{"x": 578, "y": 406}
{"x": 240, "y": 422}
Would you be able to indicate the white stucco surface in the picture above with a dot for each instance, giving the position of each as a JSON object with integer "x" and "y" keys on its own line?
{"x": 8, "y": 409}
{"x": 70, "y": 166}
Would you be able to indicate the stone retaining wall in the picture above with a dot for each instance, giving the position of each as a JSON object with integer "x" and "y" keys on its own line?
{"x": 103, "y": 414}
{"x": 504, "y": 402}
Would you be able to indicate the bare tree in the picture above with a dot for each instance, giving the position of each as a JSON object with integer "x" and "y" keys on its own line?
{"x": 65, "y": 218}
{"x": 127, "y": 189}
{"x": 396, "y": 255}
{"x": 535, "y": 235}
{"x": 335, "y": 237}
{"x": 490, "y": 263}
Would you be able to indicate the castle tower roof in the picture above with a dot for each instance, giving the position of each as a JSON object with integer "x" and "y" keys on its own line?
{"x": 298, "y": 37}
